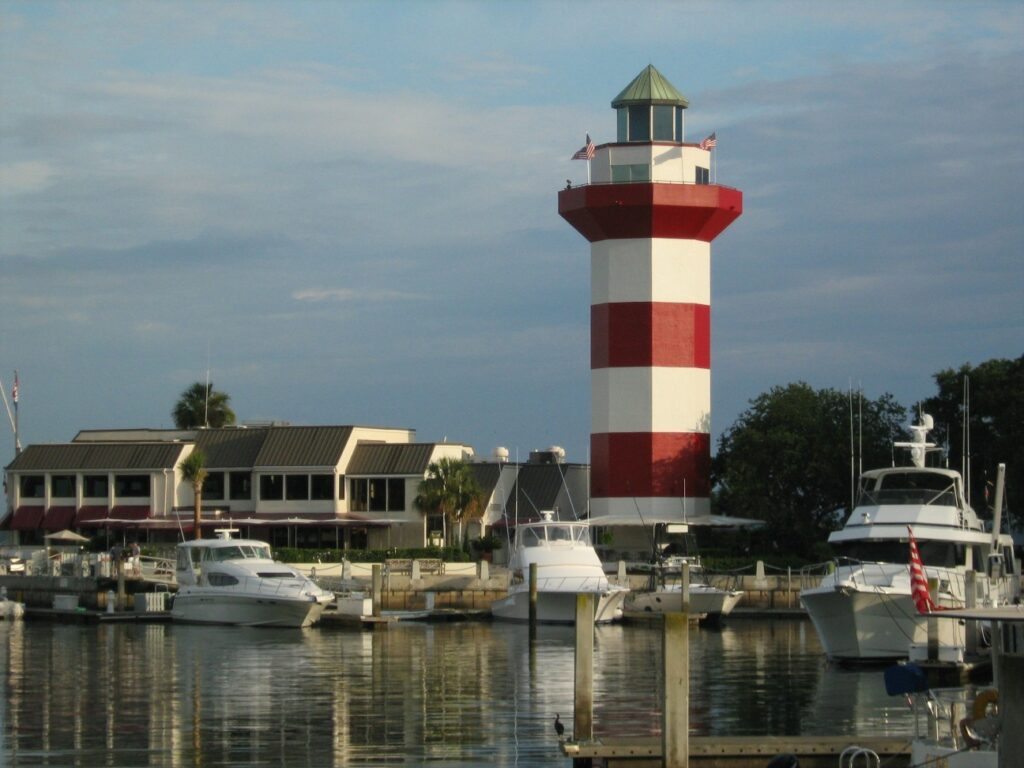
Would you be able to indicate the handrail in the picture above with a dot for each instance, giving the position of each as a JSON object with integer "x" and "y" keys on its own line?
{"x": 647, "y": 181}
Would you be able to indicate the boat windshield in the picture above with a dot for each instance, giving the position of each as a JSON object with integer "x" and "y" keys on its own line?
{"x": 240, "y": 552}
{"x": 936, "y": 553}
{"x": 910, "y": 488}
{"x": 536, "y": 536}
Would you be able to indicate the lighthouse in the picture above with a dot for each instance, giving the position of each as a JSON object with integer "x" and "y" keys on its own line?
{"x": 650, "y": 212}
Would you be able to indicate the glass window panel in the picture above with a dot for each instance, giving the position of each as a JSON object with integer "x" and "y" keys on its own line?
{"x": 341, "y": 486}
{"x": 213, "y": 486}
{"x": 640, "y": 172}
{"x": 33, "y": 486}
{"x": 95, "y": 486}
{"x": 131, "y": 486}
{"x": 296, "y": 487}
{"x": 679, "y": 123}
{"x": 271, "y": 487}
{"x": 241, "y": 486}
{"x": 620, "y": 174}
{"x": 396, "y": 494}
{"x": 378, "y": 494}
{"x": 640, "y": 123}
{"x": 62, "y": 486}
{"x": 360, "y": 494}
{"x": 663, "y": 122}
{"x": 321, "y": 487}
{"x": 622, "y": 118}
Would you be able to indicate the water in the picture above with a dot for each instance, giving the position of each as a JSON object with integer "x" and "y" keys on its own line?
{"x": 463, "y": 694}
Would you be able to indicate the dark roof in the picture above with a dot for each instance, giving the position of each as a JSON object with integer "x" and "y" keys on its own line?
{"x": 231, "y": 448}
{"x": 303, "y": 447}
{"x": 85, "y": 456}
{"x": 390, "y": 459}
{"x": 650, "y": 87}
{"x": 487, "y": 476}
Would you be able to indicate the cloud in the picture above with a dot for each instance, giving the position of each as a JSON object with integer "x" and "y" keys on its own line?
{"x": 351, "y": 294}
{"x": 25, "y": 177}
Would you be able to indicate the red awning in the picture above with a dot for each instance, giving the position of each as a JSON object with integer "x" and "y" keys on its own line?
{"x": 27, "y": 518}
{"x": 130, "y": 513}
{"x": 59, "y": 518}
{"x": 91, "y": 516}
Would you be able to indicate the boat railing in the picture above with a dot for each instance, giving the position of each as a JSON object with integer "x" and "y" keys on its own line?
{"x": 160, "y": 569}
{"x": 952, "y": 583}
{"x": 940, "y": 712}
{"x": 572, "y": 583}
{"x": 871, "y": 497}
{"x": 273, "y": 586}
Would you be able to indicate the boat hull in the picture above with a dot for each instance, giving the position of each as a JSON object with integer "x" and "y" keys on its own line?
{"x": 705, "y": 601}
{"x": 877, "y": 625}
{"x": 558, "y": 607}
{"x": 197, "y": 606}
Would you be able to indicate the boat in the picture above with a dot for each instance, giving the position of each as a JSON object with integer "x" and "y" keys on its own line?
{"x": 236, "y": 581}
{"x": 710, "y": 603}
{"x": 862, "y": 609}
{"x": 10, "y": 609}
{"x": 567, "y": 565}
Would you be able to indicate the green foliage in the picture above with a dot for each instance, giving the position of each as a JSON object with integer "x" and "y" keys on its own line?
{"x": 486, "y": 543}
{"x": 200, "y": 406}
{"x": 996, "y": 390}
{"x": 450, "y": 489}
{"x": 786, "y": 461}
{"x": 193, "y": 468}
{"x": 294, "y": 555}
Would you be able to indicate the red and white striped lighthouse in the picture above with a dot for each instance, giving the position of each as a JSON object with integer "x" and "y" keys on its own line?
{"x": 650, "y": 213}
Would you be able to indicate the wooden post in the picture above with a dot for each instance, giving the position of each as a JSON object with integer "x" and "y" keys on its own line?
{"x": 533, "y": 598}
{"x": 933, "y": 623}
{"x": 675, "y": 645}
{"x": 122, "y": 598}
{"x": 378, "y": 585}
{"x": 583, "y": 701}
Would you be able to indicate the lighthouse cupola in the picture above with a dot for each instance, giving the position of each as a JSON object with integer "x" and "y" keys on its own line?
{"x": 650, "y": 109}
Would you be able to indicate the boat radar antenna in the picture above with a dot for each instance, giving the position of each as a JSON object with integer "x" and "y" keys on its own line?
{"x": 918, "y": 446}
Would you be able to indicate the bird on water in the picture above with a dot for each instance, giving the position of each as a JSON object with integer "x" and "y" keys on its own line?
{"x": 559, "y": 727}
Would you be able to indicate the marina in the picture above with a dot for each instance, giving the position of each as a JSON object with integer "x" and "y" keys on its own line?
{"x": 452, "y": 694}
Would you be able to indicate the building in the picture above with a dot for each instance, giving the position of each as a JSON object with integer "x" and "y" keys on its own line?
{"x": 650, "y": 210}
{"x": 326, "y": 486}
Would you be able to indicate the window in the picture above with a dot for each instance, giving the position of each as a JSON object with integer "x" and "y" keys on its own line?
{"x": 679, "y": 123}
{"x": 62, "y": 486}
{"x": 131, "y": 486}
{"x": 640, "y": 123}
{"x": 341, "y": 486}
{"x": 624, "y": 174}
{"x": 703, "y": 175}
{"x": 663, "y": 122}
{"x": 622, "y": 119}
{"x": 213, "y": 486}
{"x": 360, "y": 494}
{"x": 240, "y": 486}
{"x": 271, "y": 487}
{"x": 396, "y": 494}
{"x": 321, "y": 487}
{"x": 378, "y": 494}
{"x": 32, "y": 487}
{"x": 94, "y": 486}
{"x": 296, "y": 487}
{"x": 218, "y": 579}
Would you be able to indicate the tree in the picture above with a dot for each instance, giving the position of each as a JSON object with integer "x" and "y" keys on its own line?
{"x": 450, "y": 490}
{"x": 193, "y": 470}
{"x": 200, "y": 406}
{"x": 786, "y": 461}
{"x": 995, "y": 391}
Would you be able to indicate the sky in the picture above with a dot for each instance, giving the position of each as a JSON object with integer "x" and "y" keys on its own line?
{"x": 346, "y": 212}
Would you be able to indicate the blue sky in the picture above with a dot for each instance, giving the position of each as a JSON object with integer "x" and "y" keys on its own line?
{"x": 348, "y": 210}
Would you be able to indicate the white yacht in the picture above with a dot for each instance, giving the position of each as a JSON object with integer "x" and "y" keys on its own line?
{"x": 567, "y": 565}
{"x": 862, "y": 609}
{"x": 235, "y": 581}
{"x": 709, "y": 602}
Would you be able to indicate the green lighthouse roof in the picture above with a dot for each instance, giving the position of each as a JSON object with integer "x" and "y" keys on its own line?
{"x": 650, "y": 87}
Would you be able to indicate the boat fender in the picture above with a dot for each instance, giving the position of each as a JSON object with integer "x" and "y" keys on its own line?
{"x": 982, "y": 701}
{"x": 980, "y": 728}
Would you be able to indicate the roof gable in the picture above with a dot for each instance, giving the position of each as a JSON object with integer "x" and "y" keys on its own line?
{"x": 390, "y": 459}
{"x": 650, "y": 87}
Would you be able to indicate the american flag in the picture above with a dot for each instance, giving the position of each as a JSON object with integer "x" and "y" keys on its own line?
{"x": 709, "y": 143}
{"x": 14, "y": 389}
{"x": 587, "y": 152}
{"x": 918, "y": 583}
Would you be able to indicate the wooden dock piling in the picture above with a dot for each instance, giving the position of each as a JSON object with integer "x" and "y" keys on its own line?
{"x": 583, "y": 700}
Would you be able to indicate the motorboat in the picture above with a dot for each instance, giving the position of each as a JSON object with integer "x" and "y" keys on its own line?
{"x": 567, "y": 565}
{"x": 862, "y": 609}
{"x": 10, "y": 609}
{"x": 236, "y": 581}
{"x": 708, "y": 602}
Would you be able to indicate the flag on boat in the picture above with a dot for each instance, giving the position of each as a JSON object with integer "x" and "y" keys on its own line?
{"x": 586, "y": 152}
{"x": 709, "y": 143}
{"x": 918, "y": 583}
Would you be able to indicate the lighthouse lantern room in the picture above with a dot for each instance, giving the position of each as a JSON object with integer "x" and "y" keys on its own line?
{"x": 650, "y": 213}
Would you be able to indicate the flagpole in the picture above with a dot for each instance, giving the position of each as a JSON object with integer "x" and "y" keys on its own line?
{"x": 15, "y": 397}
{"x": 10, "y": 415}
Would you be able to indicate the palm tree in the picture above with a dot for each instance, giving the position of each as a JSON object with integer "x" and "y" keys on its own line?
{"x": 193, "y": 470}
{"x": 200, "y": 406}
{"x": 450, "y": 490}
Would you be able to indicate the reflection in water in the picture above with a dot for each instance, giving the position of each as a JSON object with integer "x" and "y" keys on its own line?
{"x": 452, "y": 694}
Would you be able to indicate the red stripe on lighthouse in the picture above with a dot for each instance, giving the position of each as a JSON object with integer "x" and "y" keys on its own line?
{"x": 647, "y": 334}
{"x": 648, "y": 464}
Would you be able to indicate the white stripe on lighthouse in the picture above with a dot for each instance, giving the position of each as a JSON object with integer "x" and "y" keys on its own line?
{"x": 650, "y": 400}
{"x": 655, "y": 269}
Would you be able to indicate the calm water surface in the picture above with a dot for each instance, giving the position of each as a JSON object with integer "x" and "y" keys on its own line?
{"x": 463, "y": 694}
